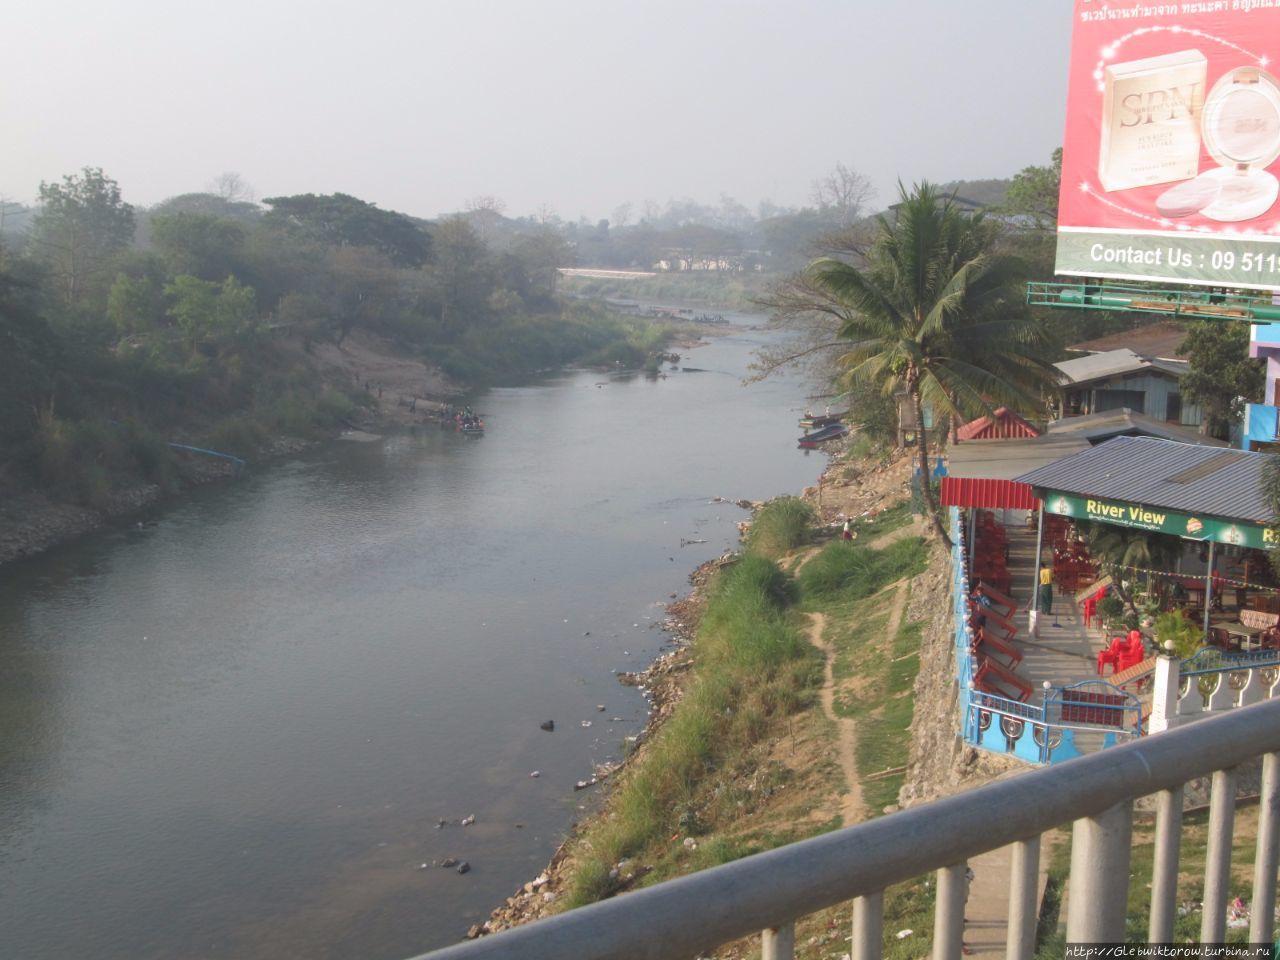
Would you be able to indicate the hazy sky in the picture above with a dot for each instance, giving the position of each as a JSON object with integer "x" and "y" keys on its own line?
{"x": 575, "y": 105}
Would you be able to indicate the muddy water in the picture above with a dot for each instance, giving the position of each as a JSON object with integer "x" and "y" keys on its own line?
{"x": 231, "y": 732}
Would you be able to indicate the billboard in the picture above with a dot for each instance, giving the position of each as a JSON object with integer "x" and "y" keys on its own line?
{"x": 1172, "y": 144}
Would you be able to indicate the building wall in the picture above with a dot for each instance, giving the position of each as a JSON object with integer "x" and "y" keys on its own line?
{"x": 1155, "y": 388}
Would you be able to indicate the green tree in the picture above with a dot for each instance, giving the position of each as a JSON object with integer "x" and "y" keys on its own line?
{"x": 935, "y": 314}
{"x": 462, "y": 274}
{"x": 30, "y": 355}
{"x": 133, "y": 304}
{"x": 1221, "y": 376}
{"x": 82, "y": 224}
{"x": 198, "y": 244}
{"x": 1033, "y": 194}
{"x": 363, "y": 290}
{"x": 341, "y": 220}
{"x": 213, "y": 314}
{"x": 1119, "y": 550}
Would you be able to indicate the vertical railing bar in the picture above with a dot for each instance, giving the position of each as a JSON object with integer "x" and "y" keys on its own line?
{"x": 948, "y": 913}
{"x": 1164, "y": 874}
{"x": 868, "y": 927}
{"x": 1262, "y": 909}
{"x": 1024, "y": 887}
{"x": 1097, "y": 898}
{"x": 1217, "y": 860}
{"x": 778, "y": 943}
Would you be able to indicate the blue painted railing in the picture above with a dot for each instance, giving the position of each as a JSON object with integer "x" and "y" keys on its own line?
{"x": 1091, "y": 714}
{"x": 1039, "y": 733}
{"x": 1210, "y": 660}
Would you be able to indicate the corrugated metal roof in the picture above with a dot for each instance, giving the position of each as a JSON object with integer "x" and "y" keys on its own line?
{"x": 1142, "y": 470}
{"x": 1006, "y": 459}
{"x": 1097, "y": 427}
{"x": 989, "y": 494}
{"x": 1114, "y": 363}
{"x": 1003, "y": 425}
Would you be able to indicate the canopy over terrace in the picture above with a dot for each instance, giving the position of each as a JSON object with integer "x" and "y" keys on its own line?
{"x": 983, "y": 473}
{"x": 1194, "y": 492}
{"x": 980, "y": 475}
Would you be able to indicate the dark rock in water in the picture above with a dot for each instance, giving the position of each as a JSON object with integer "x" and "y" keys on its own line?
{"x": 548, "y": 725}
{"x": 440, "y": 823}
{"x": 448, "y": 862}
{"x": 463, "y": 867}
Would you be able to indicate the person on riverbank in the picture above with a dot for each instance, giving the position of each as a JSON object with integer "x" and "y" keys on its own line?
{"x": 847, "y": 533}
{"x": 1046, "y": 588}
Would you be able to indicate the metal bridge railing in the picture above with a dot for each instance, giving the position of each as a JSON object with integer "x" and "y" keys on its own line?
{"x": 770, "y": 891}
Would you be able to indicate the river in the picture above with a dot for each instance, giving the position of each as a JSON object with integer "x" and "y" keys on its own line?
{"x": 230, "y": 731}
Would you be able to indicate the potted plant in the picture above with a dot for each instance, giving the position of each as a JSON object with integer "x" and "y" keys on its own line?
{"x": 1111, "y": 613}
{"x": 1187, "y": 638}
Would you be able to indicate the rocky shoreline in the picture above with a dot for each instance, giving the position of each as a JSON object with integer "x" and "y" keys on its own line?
{"x": 837, "y": 494}
{"x": 662, "y": 684}
{"x": 31, "y": 522}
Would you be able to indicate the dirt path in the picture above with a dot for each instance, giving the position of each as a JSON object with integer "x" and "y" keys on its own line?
{"x": 851, "y": 809}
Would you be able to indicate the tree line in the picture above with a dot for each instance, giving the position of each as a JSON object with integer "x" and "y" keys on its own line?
{"x": 121, "y": 326}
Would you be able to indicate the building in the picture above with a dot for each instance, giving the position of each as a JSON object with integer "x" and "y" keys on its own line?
{"x": 1120, "y": 378}
{"x": 1261, "y": 426}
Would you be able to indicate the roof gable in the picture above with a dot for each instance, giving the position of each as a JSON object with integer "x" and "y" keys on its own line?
{"x": 1004, "y": 424}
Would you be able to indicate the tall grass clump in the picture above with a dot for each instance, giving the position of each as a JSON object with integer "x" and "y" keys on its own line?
{"x": 752, "y": 668}
{"x": 780, "y": 526}
{"x": 848, "y": 570}
{"x": 87, "y": 460}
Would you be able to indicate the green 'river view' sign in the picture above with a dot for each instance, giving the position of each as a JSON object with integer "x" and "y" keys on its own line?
{"x": 1238, "y": 532}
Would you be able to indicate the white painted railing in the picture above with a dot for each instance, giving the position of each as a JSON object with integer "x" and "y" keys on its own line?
{"x": 769, "y": 892}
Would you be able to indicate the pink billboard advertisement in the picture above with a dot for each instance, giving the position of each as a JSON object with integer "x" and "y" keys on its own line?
{"x": 1172, "y": 148}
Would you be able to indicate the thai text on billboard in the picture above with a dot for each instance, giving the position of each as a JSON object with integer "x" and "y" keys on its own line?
{"x": 1173, "y": 143}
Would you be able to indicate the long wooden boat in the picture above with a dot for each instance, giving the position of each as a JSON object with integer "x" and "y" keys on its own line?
{"x": 824, "y": 420}
{"x": 830, "y": 432}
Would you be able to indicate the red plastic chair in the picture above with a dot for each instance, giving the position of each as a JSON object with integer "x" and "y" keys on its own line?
{"x": 1133, "y": 654}
{"x": 1111, "y": 655}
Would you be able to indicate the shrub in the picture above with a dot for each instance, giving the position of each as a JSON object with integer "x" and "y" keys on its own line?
{"x": 779, "y": 526}
{"x": 240, "y": 436}
{"x": 848, "y": 570}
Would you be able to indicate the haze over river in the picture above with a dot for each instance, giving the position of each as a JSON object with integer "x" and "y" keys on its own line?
{"x": 229, "y": 733}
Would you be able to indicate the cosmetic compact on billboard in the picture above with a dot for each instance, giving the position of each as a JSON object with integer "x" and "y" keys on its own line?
{"x": 1169, "y": 165}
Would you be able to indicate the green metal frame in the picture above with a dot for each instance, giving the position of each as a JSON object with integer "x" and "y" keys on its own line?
{"x": 1204, "y": 305}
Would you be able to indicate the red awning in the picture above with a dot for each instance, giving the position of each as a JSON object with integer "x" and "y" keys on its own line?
{"x": 990, "y": 494}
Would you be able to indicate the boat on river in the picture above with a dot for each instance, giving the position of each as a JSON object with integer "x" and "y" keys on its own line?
{"x": 831, "y": 431}
{"x": 811, "y": 420}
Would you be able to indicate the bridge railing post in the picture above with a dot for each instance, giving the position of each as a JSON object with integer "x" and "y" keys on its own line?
{"x": 1099, "y": 885}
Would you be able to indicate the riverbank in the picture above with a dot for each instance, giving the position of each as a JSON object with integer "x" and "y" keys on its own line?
{"x": 805, "y": 773}
{"x": 31, "y": 522}
{"x": 397, "y": 393}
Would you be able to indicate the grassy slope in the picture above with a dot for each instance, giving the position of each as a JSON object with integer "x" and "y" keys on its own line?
{"x": 772, "y": 778}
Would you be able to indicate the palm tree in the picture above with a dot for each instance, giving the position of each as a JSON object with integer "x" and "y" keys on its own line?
{"x": 937, "y": 313}
{"x": 1122, "y": 551}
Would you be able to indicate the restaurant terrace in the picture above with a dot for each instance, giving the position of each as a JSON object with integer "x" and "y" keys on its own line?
{"x": 1142, "y": 539}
